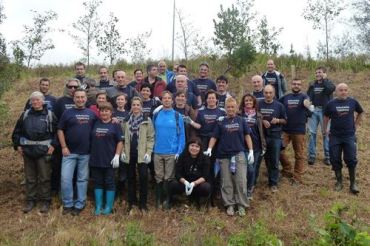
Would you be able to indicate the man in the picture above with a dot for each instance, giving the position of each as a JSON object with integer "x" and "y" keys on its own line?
{"x": 341, "y": 111}
{"x": 203, "y": 83}
{"x": 74, "y": 130}
{"x": 104, "y": 82}
{"x": 123, "y": 88}
{"x": 273, "y": 118}
{"x": 80, "y": 71}
{"x": 139, "y": 79}
{"x": 66, "y": 101}
{"x": 49, "y": 100}
{"x": 320, "y": 92}
{"x": 169, "y": 144}
{"x": 157, "y": 85}
{"x": 257, "y": 82}
{"x": 274, "y": 78}
{"x": 165, "y": 74}
{"x": 181, "y": 85}
{"x": 149, "y": 104}
{"x": 222, "y": 84}
{"x": 296, "y": 106}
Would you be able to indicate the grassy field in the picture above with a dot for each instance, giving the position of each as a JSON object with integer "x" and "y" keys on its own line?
{"x": 292, "y": 215}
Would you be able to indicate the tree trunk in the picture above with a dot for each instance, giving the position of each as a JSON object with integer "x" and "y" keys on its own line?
{"x": 327, "y": 38}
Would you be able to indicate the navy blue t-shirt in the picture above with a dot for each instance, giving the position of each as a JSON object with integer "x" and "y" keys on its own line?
{"x": 341, "y": 113}
{"x": 77, "y": 125}
{"x": 191, "y": 87}
{"x": 204, "y": 85}
{"x": 230, "y": 133}
{"x": 319, "y": 99}
{"x": 269, "y": 111}
{"x": 149, "y": 106}
{"x": 251, "y": 121}
{"x": 104, "y": 140}
{"x": 272, "y": 79}
{"x": 49, "y": 100}
{"x": 221, "y": 101}
{"x": 296, "y": 113}
{"x": 62, "y": 104}
{"x": 207, "y": 118}
{"x": 120, "y": 115}
{"x": 258, "y": 95}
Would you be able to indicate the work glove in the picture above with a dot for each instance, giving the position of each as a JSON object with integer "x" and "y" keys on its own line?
{"x": 311, "y": 108}
{"x": 250, "y": 157}
{"x": 221, "y": 118}
{"x": 176, "y": 157}
{"x": 189, "y": 189}
{"x": 123, "y": 157}
{"x": 147, "y": 158}
{"x": 115, "y": 161}
{"x": 208, "y": 152}
{"x": 186, "y": 183}
{"x": 187, "y": 120}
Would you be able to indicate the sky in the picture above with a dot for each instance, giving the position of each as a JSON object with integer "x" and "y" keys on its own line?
{"x": 146, "y": 15}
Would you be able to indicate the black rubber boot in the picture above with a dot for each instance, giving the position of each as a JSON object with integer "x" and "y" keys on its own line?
{"x": 352, "y": 179}
{"x": 166, "y": 195}
{"x": 158, "y": 194}
{"x": 339, "y": 177}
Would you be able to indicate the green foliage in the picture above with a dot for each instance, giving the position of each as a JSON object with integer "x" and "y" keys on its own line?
{"x": 268, "y": 37}
{"x": 338, "y": 231}
{"x": 138, "y": 47}
{"x": 134, "y": 236}
{"x": 241, "y": 58}
{"x": 361, "y": 19}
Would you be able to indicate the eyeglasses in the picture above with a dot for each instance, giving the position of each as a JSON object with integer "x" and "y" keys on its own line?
{"x": 72, "y": 86}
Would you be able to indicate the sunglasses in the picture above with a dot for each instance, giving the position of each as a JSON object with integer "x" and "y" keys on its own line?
{"x": 72, "y": 86}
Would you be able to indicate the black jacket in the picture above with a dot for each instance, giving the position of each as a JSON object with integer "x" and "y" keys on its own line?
{"x": 192, "y": 169}
{"x": 329, "y": 88}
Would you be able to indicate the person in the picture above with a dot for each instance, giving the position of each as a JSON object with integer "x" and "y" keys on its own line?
{"x": 49, "y": 99}
{"x": 101, "y": 97}
{"x": 80, "y": 74}
{"x": 104, "y": 81}
{"x": 157, "y": 85}
{"x": 222, "y": 84}
{"x": 169, "y": 144}
{"x": 203, "y": 83}
{"x": 192, "y": 173}
{"x": 257, "y": 82}
{"x": 181, "y": 85}
{"x": 138, "y": 147}
{"x": 232, "y": 134}
{"x": 165, "y": 74}
{"x": 297, "y": 106}
{"x": 320, "y": 93}
{"x": 248, "y": 110}
{"x": 187, "y": 112}
{"x": 139, "y": 79}
{"x": 33, "y": 138}
{"x": 120, "y": 113}
{"x": 149, "y": 104}
{"x": 74, "y": 128}
{"x": 274, "y": 78}
{"x": 106, "y": 147}
{"x": 345, "y": 114}
{"x": 273, "y": 118}
{"x": 122, "y": 87}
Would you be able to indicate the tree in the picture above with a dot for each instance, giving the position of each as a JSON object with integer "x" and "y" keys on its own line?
{"x": 3, "y": 55}
{"x": 267, "y": 37}
{"x": 138, "y": 47}
{"x": 35, "y": 43}
{"x": 186, "y": 35}
{"x": 361, "y": 20}
{"x": 2, "y": 15}
{"x": 322, "y": 13}
{"x": 87, "y": 27}
{"x": 232, "y": 36}
{"x": 109, "y": 41}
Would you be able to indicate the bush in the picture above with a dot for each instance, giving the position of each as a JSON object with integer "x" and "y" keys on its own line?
{"x": 135, "y": 237}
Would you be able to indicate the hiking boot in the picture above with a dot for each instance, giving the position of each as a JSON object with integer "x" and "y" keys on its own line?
{"x": 230, "y": 210}
{"x": 311, "y": 161}
{"x": 339, "y": 178}
{"x": 352, "y": 179}
{"x": 241, "y": 211}
{"x": 28, "y": 206}
{"x": 45, "y": 207}
{"x": 274, "y": 189}
{"x": 67, "y": 210}
{"x": 76, "y": 211}
{"x": 327, "y": 161}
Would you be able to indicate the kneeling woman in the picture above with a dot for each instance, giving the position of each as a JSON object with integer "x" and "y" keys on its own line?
{"x": 106, "y": 145}
{"x": 192, "y": 172}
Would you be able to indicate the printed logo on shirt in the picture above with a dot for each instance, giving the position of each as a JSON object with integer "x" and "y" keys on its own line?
{"x": 342, "y": 110}
{"x": 68, "y": 106}
{"x": 318, "y": 90}
{"x": 293, "y": 103}
{"x": 202, "y": 88}
{"x": 210, "y": 118}
{"x": 83, "y": 118}
{"x": 267, "y": 112}
{"x": 271, "y": 81}
{"x": 233, "y": 127}
{"x": 101, "y": 132}
{"x": 251, "y": 120}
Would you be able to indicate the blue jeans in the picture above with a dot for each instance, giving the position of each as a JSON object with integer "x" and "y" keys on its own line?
{"x": 313, "y": 122}
{"x": 272, "y": 157}
{"x": 253, "y": 169}
{"x": 345, "y": 145}
{"x": 69, "y": 164}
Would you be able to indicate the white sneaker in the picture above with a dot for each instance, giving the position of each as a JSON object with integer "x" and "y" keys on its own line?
{"x": 241, "y": 211}
{"x": 230, "y": 211}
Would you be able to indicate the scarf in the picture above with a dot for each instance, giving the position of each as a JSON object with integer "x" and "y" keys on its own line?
{"x": 134, "y": 124}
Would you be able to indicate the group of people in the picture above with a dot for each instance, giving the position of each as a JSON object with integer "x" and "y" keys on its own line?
{"x": 191, "y": 136}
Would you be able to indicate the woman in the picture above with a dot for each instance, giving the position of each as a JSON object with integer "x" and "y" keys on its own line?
{"x": 106, "y": 145}
{"x": 138, "y": 147}
{"x": 101, "y": 96}
{"x": 187, "y": 113}
{"x": 249, "y": 111}
{"x": 120, "y": 112}
{"x": 33, "y": 138}
{"x": 232, "y": 132}
{"x": 192, "y": 172}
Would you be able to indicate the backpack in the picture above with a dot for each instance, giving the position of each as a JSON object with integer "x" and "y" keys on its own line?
{"x": 49, "y": 119}
{"x": 177, "y": 115}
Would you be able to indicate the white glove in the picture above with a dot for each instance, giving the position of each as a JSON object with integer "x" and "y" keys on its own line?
{"x": 190, "y": 189}
{"x": 221, "y": 118}
{"x": 176, "y": 157}
{"x": 311, "y": 108}
{"x": 187, "y": 120}
{"x": 115, "y": 161}
{"x": 147, "y": 158}
{"x": 250, "y": 157}
{"x": 186, "y": 183}
{"x": 123, "y": 157}
{"x": 208, "y": 152}
{"x": 263, "y": 152}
